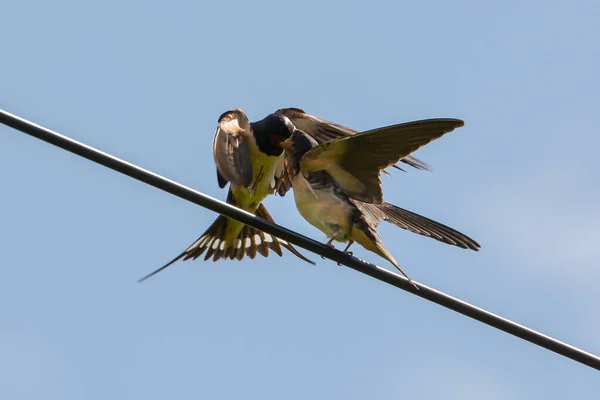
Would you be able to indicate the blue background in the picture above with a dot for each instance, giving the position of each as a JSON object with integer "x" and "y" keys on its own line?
{"x": 146, "y": 81}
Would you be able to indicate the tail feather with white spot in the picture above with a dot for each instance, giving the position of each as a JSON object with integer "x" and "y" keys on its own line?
{"x": 249, "y": 242}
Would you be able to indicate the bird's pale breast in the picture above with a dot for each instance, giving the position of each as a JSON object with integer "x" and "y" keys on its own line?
{"x": 250, "y": 198}
{"x": 322, "y": 208}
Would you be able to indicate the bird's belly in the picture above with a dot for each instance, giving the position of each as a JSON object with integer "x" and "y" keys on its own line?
{"x": 328, "y": 213}
{"x": 249, "y": 198}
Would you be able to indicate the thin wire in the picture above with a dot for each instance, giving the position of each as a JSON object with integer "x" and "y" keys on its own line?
{"x": 374, "y": 271}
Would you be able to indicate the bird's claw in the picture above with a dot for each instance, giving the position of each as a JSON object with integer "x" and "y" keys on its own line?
{"x": 349, "y": 253}
{"x": 330, "y": 245}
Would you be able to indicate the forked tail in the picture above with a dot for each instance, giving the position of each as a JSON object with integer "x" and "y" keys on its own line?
{"x": 249, "y": 242}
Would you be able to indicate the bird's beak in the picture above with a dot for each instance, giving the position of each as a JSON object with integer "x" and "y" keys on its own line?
{"x": 287, "y": 144}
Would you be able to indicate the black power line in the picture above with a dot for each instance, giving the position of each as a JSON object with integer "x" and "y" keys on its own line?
{"x": 374, "y": 271}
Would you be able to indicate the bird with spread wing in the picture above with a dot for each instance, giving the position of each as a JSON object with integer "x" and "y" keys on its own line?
{"x": 337, "y": 186}
{"x": 248, "y": 156}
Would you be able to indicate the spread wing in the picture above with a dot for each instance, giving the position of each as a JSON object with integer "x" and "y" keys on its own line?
{"x": 324, "y": 131}
{"x": 355, "y": 162}
{"x": 230, "y": 149}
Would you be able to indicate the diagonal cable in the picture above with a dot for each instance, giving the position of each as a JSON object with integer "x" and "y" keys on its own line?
{"x": 247, "y": 218}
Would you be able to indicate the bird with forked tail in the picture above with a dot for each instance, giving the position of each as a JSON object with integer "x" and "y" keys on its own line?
{"x": 337, "y": 186}
{"x": 249, "y": 156}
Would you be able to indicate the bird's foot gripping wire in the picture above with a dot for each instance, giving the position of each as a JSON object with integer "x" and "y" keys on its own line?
{"x": 330, "y": 244}
{"x": 350, "y": 243}
{"x": 346, "y": 250}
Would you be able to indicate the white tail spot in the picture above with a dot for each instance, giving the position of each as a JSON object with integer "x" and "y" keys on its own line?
{"x": 257, "y": 240}
{"x": 198, "y": 242}
{"x": 222, "y": 246}
{"x": 268, "y": 238}
{"x": 247, "y": 243}
{"x": 238, "y": 243}
{"x": 209, "y": 242}
{"x": 215, "y": 243}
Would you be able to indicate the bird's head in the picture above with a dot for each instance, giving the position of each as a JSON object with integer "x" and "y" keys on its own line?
{"x": 296, "y": 146}
{"x": 271, "y": 131}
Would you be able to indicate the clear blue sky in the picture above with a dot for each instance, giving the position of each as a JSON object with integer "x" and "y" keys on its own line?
{"x": 147, "y": 82}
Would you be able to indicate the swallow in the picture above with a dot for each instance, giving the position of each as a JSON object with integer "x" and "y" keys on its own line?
{"x": 337, "y": 186}
{"x": 248, "y": 156}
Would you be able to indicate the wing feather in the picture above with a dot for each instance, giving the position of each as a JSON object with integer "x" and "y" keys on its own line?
{"x": 366, "y": 154}
{"x": 230, "y": 149}
{"x": 324, "y": 131}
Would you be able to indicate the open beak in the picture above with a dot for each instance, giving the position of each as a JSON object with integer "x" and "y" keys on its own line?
{"x": 287, "y": 144}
